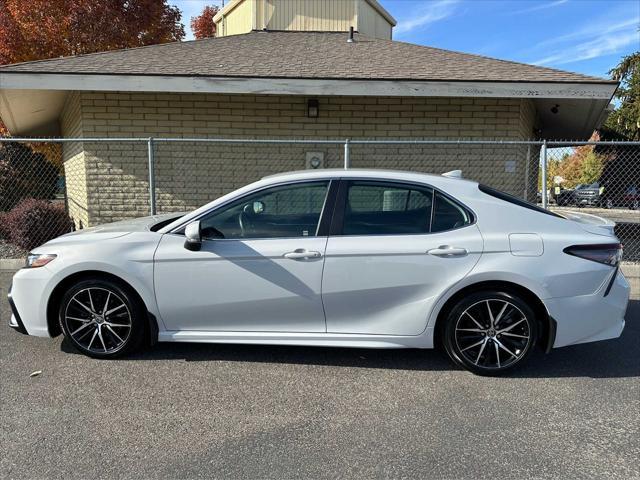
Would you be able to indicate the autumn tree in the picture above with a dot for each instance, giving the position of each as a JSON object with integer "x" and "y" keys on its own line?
{"x": 583, "y": 166}
{"x": 38, "y": 29}
{"x": 203, "y": 25}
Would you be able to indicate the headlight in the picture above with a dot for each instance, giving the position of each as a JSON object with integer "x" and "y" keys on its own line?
{"x": 35, "y": 260}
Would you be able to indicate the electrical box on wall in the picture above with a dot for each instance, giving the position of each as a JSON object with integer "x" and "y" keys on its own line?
{"x": 315, "y": 160}
{"x": 510, "y": 166}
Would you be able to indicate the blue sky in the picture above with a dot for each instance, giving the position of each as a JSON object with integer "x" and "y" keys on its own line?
{"x": 586, "y": 36}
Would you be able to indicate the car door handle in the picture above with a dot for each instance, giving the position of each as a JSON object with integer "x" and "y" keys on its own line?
{"x": 302, "y": 254}
{"x": 448, "y": 251}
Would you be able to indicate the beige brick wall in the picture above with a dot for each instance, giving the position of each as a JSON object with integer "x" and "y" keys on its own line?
{"x": 189, "y": 173}
{"x": 73, "y": 158}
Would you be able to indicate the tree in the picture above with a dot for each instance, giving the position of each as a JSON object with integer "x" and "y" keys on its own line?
{"x": 203, "y": 25}
{"x": 25, "y": 173}
{"x": 625, "y": 120}
{"x": 584, "y": 165}
{"x": 40, "y": 29}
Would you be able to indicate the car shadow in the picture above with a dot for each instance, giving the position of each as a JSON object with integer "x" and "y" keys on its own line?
{"x": 618, "y": 358}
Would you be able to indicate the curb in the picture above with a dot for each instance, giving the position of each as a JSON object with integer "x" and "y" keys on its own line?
{"x": 11, "y": 264}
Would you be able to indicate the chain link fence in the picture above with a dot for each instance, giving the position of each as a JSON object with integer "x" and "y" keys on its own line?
{"x": 49, "y": 186}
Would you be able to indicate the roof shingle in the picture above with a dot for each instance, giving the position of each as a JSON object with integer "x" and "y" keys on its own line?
{"x": 310, "y": 55}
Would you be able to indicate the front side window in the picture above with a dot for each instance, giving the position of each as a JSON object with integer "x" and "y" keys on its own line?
{"x": 278, "y": 212}
{"x": 374, "y": 208}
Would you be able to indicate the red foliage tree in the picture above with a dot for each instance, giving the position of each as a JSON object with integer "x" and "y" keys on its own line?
{"x": 38, "y": 29}
{"x": 203, "y": 25}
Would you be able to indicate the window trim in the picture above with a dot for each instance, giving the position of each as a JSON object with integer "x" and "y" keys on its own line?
{"x": 323, "y": 224}
{"x": 337, "y": 221}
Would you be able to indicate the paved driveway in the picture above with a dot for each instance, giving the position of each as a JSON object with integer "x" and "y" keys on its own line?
{"x": 186, "y": 411}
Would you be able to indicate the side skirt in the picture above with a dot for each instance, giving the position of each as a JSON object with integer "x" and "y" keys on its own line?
{"x": 425, "y": 340}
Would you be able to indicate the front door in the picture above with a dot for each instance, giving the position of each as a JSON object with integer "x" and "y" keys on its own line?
{"x": 259, "y": 269}
{"x": 399, "y": 248}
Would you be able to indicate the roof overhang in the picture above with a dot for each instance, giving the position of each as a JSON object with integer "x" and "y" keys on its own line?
{"x": 29, "y": 100}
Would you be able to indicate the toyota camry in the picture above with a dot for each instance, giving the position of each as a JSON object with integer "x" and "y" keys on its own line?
{"x": 344, "y": 258}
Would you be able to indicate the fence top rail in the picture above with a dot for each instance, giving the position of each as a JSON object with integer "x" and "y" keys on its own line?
{"x": 549, "y": 143}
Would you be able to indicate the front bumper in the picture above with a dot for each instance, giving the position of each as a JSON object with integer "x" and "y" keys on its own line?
{"x": 30, "y": 291}
{"x": 589, "y": 318}
{"x": 15, "y": 322}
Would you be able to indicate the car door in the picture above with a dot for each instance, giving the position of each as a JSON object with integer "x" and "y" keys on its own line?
{"x": 396, "y": 248}
{"x": 259, "y": 268}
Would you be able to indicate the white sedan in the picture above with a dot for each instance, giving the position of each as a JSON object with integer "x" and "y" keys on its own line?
{"x": 345, "y": 258}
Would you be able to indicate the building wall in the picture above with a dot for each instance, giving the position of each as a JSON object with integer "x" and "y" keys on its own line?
{"x": 303, "y": 15}
{"x": 189, "y": 174}
{"x": 371, "y": 23}
{"x": 74, "y": 161}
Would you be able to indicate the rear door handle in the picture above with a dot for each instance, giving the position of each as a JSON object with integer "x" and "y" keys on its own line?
{"x": 448, "y": 251}
{"x": 302, "y": 254}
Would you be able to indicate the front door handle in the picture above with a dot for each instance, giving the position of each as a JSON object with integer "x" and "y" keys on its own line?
{"x": 448, "y": 251}
{"x": 302, "y": 254}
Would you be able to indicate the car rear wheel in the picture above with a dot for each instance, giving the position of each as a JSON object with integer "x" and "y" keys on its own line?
{"x": 489, "y": 333}
{"x": 101, "y": 318}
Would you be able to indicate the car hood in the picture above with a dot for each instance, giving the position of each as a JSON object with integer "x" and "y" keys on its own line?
{"x": 115, "y": 229}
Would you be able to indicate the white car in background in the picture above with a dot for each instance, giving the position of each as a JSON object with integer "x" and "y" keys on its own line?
{"x": 345, "y": 258}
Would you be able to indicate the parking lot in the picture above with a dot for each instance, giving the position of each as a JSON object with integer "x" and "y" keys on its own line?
{"x": 205, "y": 411}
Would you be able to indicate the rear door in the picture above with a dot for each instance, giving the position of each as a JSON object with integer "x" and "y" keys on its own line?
{"x": 394, "y": 249}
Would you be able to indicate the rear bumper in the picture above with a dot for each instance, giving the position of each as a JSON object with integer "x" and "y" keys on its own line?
{"x": 589, "y": 318}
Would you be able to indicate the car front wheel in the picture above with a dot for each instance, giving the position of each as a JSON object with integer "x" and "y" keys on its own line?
{"x": 489, "y": 333}
{"x": 101, "y": 318}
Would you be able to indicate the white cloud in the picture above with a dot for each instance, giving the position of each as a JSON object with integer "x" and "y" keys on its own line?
{"x": 540, "y": 6}
{"x": 433, "y": 12}
{"x": 590, "y": 42}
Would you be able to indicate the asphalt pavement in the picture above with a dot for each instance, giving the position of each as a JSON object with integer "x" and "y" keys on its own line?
{"x": 208, "y": 411}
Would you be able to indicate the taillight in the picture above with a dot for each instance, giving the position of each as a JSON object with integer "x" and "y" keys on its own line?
{"x": 607, "y": 253}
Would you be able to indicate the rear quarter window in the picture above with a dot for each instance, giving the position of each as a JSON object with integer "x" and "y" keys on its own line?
{"x": 515, "y": 200}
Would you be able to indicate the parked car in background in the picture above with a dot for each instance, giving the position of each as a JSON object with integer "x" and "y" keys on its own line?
{"x": 566, "y": 196}
{"x": 587, "y": 195}
{"x": 631, "y": 198}
{"x": 342, "y": 258}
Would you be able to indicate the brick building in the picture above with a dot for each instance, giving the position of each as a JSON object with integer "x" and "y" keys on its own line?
{"x": 292, "y": 84}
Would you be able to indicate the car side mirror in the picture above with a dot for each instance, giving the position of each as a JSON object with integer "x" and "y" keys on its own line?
{"x": 193, "y": 237}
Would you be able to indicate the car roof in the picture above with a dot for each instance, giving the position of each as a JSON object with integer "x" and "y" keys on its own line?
{"x": 397, "y": 175}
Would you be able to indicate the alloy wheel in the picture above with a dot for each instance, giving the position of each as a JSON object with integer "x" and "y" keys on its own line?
{"x": 98, "y": 320}
{"x": 492, "y": 334}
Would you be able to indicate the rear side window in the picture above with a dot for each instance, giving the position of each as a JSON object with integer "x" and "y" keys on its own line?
{"x": 448, "y": 215}
{"x": 515, "y": 200}
{"x": 386, "y": 209}
{"x": 380, "y": 208}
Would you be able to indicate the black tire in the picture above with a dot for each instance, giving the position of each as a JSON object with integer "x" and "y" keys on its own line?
{"x": 99, "y": 328}
{"x": 500, "y": 340}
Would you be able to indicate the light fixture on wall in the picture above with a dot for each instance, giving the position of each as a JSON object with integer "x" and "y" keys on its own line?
{"x": 313, "y": 108}
{"x": 555, "y": 109}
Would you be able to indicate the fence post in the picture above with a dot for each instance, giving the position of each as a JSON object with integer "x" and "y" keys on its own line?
{"x": 526, "y": 174}
{"x": 152, "y": 177}
{"x": 347, "y": 155}
{"x": 545, "y": 202}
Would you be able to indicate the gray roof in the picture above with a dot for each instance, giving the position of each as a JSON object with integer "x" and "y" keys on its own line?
{"x": 310, "y": 55}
